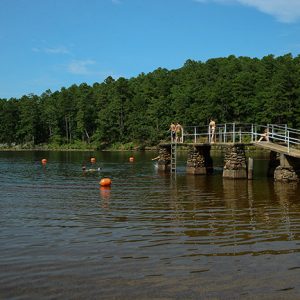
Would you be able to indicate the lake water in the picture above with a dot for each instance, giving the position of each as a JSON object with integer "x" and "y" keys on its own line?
{"x": 150, "y": 236}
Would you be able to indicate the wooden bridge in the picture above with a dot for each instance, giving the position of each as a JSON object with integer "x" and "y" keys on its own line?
{"x": 282, "y": 142}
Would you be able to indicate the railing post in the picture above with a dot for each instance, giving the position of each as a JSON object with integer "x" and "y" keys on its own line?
{"x": 240, "y": 133}
{"x": 233, "y": 132}
{"x": 195, "y": 134}
{"x": 252, "y": 133}
{"x": 285, "y": 133}
{"x": 224, "y": 133}
{"x": 255, "y": 133}
{"x": 288, "y": 140}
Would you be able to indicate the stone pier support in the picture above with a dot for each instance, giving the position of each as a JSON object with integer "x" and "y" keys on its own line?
{"x": 164, "y": 161}
{"x": 235, "y": 165}
{"x": 199, "y": 160}
{"x": 288, "y": 170}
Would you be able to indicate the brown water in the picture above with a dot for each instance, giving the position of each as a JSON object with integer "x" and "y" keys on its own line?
{"x": 150, "y": 236}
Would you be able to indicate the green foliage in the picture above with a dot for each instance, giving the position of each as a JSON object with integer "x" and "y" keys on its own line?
{"x": 124, "y": 113}
{"x": 125, "y": 147}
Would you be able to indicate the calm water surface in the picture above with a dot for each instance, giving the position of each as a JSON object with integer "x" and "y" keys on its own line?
{"x": 149, "y": 236}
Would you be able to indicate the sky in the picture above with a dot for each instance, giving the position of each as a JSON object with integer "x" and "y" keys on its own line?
{"x": 51, "y": 44}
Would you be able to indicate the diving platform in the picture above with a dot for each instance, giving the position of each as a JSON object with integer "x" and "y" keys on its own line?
{"x": 282, "y": 142}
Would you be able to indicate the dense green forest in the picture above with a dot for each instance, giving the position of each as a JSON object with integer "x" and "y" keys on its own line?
{"x": 138, "y": 111}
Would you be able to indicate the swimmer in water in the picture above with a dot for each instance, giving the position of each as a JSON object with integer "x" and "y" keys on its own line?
{"x": 156, "y": 158}
{"x": 84, "y": 169}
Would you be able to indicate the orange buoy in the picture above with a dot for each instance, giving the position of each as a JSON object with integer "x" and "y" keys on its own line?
{"x": 105, "y": 182}
{"x": 93, "y": 160}
{"x": 131, "y": 159}
{"x": 44, "y": 161}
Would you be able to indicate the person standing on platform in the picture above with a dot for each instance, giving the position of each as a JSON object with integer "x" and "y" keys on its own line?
{"x": 173, "y": 132}
{"x": 212, "y": 129}
{"x": 179, "y": 132}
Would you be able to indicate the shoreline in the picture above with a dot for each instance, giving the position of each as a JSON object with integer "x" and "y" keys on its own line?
{"x": 154, "y": 148}
{"x": 120, "y": 149}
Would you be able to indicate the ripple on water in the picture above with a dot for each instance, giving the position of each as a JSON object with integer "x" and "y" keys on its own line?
{"x": 148, "y": 235}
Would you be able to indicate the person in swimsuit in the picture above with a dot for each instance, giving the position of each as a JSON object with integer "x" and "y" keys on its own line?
{"x": 264, "y": 136}
{"x": 178, "y": 129}
{"x": 212, "y": 126}
{"x": 173, "y": 132}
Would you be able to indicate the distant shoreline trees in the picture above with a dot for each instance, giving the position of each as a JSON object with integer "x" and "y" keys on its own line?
{"x": 139, "y": 110}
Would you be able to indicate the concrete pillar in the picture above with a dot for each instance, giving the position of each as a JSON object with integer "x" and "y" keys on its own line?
{"x": 164, "y": 161}
{"x": 199, "y": 160}
{"x": 235, "y": 165}
{"x": 288, "y": 170}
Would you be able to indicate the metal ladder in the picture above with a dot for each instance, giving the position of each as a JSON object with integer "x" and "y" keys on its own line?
{"x": 173, "y": 157}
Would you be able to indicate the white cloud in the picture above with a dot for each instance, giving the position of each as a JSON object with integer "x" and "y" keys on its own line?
{"x": 52, "y": 50}
{"x": 287, "y": 11}
{"x": 81, "y": 67}
{"x": 57, "y": 50}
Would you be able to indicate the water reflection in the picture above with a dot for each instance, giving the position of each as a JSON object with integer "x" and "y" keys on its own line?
{"x": 286, "y": 194}
{"x": 236, "y": 193}
{"x": 105, "y": 195}
{"x": 157, "y": 233}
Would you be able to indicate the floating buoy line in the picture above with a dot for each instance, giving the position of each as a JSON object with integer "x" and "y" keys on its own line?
{"x": 105, "y": 182}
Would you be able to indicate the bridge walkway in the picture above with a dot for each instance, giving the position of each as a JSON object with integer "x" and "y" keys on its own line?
{"x": 278, "y": 148}
{"x": 280, "y": 138}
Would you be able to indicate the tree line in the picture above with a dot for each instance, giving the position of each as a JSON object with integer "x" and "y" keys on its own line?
{"x": 139, "y": 110}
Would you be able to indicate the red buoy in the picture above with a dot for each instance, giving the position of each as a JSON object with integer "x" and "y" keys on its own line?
{"x": 131, "y": 159}
{"x": 44, "y": 161}
{"x": 105, "y": 181}
{"x": 93, "y": 160}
